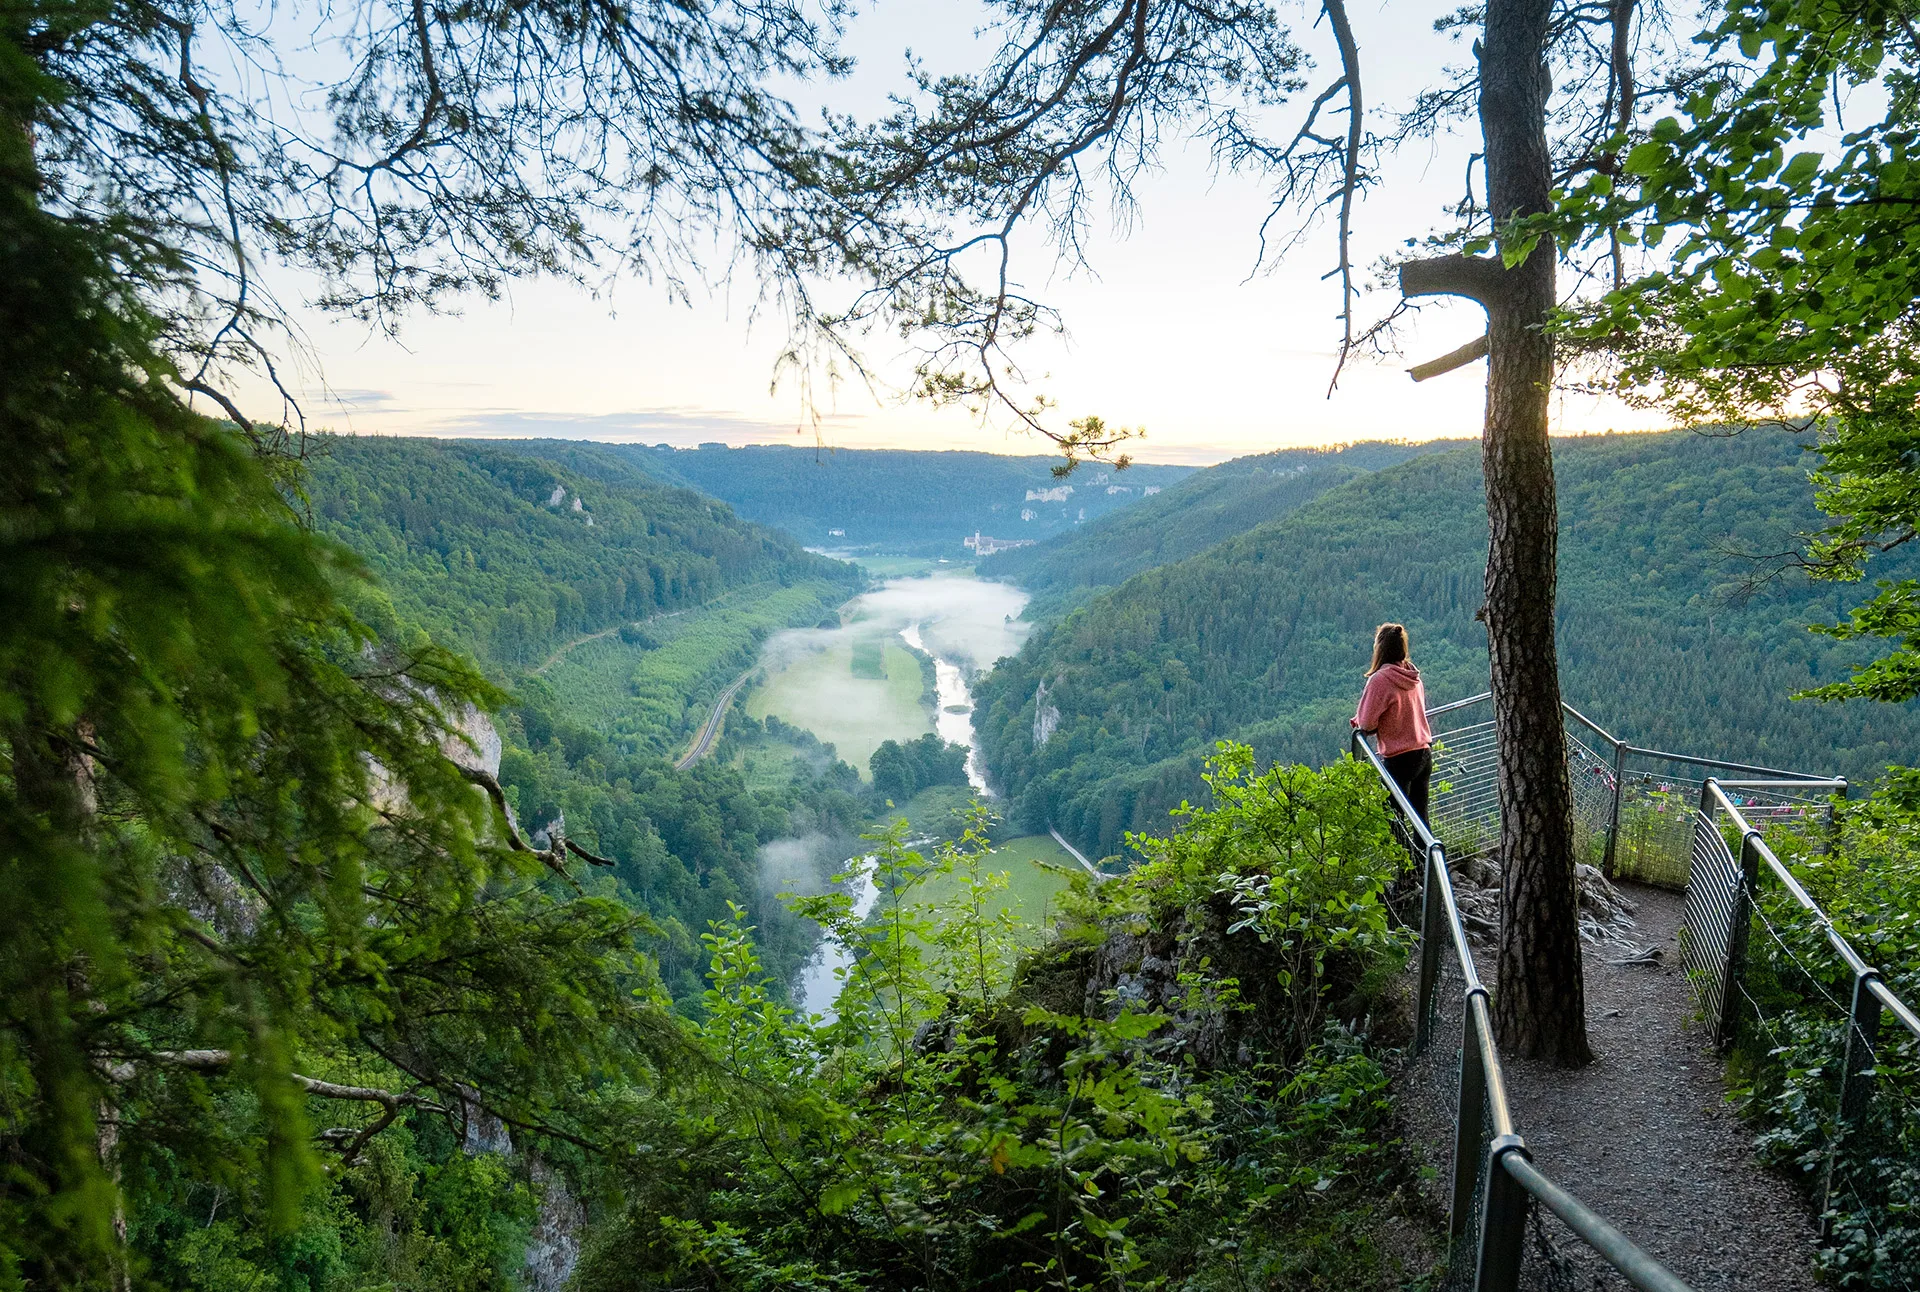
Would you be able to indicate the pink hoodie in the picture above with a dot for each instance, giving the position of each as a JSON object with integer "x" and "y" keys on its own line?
{"x": 1395, "y": 705}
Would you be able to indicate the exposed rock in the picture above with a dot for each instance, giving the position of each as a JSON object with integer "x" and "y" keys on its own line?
{"x": 1606, "y": 913}
{"x": 553, "y": 1249}
{"x": 1046, "y": 717}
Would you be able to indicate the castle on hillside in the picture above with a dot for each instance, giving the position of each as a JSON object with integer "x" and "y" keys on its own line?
{"x": 984, "y": 546}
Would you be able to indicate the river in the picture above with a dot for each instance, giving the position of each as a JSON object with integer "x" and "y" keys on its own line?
{"x": 964, "y": 624}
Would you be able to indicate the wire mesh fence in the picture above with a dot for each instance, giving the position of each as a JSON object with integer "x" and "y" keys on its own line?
{"x": 1632, "y": 807}
{"x": 1466, "y": 772}
{"x": 1827, "y": 1055}
{"x": 1495, "y": 1197}
{"x": 1465, "y": 808}
{"x": 1836, "y": 1092}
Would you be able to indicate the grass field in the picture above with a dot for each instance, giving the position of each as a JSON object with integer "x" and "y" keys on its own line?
{"x": 1038, "y": 871}
{"x": 657, "y": 697}
{"x": 906, "y": 567}
{"x": 869, "y": 659}
{"x": 819, "y": 690}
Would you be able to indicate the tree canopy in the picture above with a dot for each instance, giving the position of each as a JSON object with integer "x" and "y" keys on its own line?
{"x": 1783, "y": 277}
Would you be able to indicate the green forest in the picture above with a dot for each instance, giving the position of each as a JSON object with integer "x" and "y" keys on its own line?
{"x": 1675, "y": 631}
{"x": 509, "y": 557}
{"x": 1185, "y": 519}
{"x": 896, "y": 501}
{"x": 663, "y": 598}
{"x": 379, "y": 919}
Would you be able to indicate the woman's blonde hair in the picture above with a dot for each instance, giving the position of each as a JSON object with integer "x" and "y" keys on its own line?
{"x": 1389, "y": 647}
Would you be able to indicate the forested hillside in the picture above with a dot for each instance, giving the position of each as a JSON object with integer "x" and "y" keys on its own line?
{"x": 1665, "y": 635}
{"x": 662, "y": 596}
{"x": 1187, "y": 518}
{"x": 507, "y": 556}
{"x": 890, "y": 500}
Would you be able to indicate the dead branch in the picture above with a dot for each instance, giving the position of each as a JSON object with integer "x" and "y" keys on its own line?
{"x": 1460, "y": 358}
{"x": 1478, "y": 278}
{"x": 347, "y": 1140}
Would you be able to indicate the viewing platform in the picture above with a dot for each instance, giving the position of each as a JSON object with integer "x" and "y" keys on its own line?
{"x": 1638, "y": 1170}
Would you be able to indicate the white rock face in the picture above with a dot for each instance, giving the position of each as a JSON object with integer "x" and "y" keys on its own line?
{"x": 559, "y": 496}
{"x": 473, "y": 743}
{"x": 554, "y": 1246}
{"x": 1046, "y": 717}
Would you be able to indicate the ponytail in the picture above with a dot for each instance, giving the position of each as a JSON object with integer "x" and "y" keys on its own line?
{"x": 1389, "y": 647}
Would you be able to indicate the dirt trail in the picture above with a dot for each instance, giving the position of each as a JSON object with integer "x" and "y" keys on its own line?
{"x": 1644, "y": 1135}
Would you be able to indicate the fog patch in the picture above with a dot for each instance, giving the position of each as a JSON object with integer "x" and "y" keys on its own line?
{"x": 967, "y": 620}
{"x": 803, "y": 865}
{"x": 788, "y": 647}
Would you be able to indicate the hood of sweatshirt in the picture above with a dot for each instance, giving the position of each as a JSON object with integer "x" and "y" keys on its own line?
{"x": 1400, "y": 676}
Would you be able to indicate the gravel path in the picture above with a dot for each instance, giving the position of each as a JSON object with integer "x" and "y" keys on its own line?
{"x": 1644, "y": 1135}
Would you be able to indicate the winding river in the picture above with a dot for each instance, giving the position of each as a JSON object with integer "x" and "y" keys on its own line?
{"x": 964, "y": 624}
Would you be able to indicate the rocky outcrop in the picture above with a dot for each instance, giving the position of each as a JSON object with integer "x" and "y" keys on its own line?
{"x": 1046, "y": 717}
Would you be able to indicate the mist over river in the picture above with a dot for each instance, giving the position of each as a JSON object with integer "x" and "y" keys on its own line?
{"x": 824, "y": 679}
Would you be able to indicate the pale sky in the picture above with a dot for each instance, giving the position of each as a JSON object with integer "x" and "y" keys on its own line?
{"x": 1171, "y": 334}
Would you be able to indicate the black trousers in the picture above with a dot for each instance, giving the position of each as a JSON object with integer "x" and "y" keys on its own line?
{"x": 1413, "y": 773}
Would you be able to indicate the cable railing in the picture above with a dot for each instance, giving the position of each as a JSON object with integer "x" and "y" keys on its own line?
{"x": 1495, "y": 1180}
{"x": 1632, "y": 805}
{"x": 1772, "y": 972}
{"x": 1836, "y": 1085}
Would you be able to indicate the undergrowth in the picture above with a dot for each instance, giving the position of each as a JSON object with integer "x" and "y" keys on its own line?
{"x": 1175, "y": 1093}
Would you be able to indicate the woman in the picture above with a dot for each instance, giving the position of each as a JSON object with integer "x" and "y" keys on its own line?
{"x": 1394, "y": 706}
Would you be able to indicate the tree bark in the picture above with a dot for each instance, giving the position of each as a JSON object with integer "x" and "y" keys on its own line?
{"x": 1540, "y": 998}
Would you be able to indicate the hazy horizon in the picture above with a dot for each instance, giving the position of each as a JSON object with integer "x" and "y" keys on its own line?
{"x": 1174, "y": 325}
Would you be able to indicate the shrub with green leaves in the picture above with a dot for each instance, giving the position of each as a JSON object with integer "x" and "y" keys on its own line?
{"x": 1794, "y": 1034}
{"x": 1171, "y": 1093}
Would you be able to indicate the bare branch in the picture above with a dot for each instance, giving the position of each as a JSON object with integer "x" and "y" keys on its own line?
{"x": 1466, "y": 354}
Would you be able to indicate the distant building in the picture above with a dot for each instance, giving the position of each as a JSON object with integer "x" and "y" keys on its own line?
{"x": 984, "y": 546}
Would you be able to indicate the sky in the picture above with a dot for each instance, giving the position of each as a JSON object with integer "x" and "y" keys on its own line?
{"x": 1168, "y": 329}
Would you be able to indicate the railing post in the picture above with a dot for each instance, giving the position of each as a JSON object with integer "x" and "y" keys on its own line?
{"x": 1503, "y": 1223}
{"x": 1832, "y": 840}
{"x": 1739, "y": 925}
{"x": 1613, "y": 822}
{"x": 1433, "y": 933}
{"x": 1469, "y": 1127}
{"x": 1856, "y": 1081}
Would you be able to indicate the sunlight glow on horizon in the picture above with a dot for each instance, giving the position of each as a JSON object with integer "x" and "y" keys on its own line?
{"x": 1167, "y": 330}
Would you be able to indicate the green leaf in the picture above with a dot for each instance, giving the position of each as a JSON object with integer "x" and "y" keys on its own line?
{"x": 1645, "y": 159}
{"x": 1801, "y": 170}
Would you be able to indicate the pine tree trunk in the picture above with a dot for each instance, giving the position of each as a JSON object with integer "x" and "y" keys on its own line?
{"x": 1539, "y": 1004}
{"x": 1540, "y": 999}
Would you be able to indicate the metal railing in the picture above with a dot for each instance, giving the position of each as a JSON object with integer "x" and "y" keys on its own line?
{"x": 1763, "y": 957}
{"x": 1495, "y": 1181}
{"x": 1632, "y": 805}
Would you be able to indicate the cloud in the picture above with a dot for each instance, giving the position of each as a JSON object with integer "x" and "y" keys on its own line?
{"x": 359, "y": 401}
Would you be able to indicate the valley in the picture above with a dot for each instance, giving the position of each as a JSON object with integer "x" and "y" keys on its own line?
{"x": 445, "y": 852}
{"x": 899, "y": 666}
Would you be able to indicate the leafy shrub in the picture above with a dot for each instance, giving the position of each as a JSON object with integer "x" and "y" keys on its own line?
{"x": 1067, "y": 1124}
{"x": 1793, "y": 1042}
